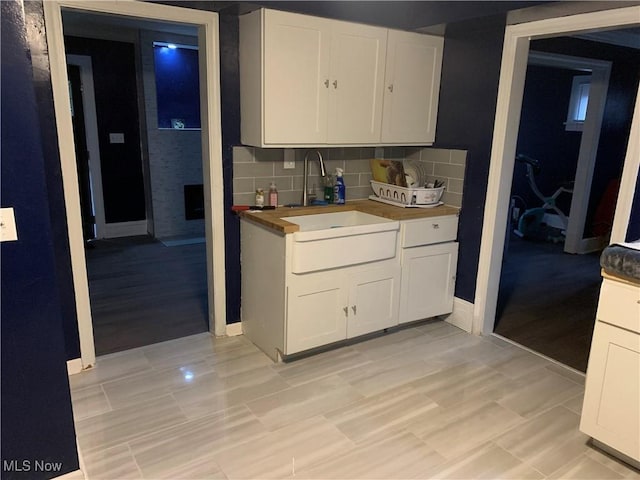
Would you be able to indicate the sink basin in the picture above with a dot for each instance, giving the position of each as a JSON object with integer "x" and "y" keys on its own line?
{"x": 338, "y": 239}
{"x": 339, "y": 224}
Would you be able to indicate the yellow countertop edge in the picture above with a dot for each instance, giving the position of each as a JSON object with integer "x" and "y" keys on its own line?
{"x": 275, "y": 219}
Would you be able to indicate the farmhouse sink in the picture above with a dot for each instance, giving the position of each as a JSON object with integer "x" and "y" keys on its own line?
{"x": 338, "y": 239}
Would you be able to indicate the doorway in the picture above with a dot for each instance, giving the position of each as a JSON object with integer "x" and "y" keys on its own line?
{"x": 516, "y": 48}
{"x": 144, "y": 288}
{"x": 550, "y": 275}
{"x": 207, "y": 25}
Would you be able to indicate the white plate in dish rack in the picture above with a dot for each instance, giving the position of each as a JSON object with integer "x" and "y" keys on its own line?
{"x": 398, "y": 204}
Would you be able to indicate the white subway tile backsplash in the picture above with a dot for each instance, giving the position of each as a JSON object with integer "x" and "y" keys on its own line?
{"x": 436, "y": 155}
{"x": 459, "y": 157}
{"x": 244, "y": 185}
{"x": 269, "y": 154}
{"x": 448, "y": 170}
{"x": 257, "y": 169}
{"x": 243, "y": 154}
{"x": 455, "y": 185}
{"x": 262, "y": 166}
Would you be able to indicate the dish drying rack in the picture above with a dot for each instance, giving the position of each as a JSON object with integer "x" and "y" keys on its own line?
{"x": 407, "y": 197}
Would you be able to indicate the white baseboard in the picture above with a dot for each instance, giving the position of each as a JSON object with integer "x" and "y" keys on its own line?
{"x": 462, "y": 315}
{"x": 125, "y": 229}
{"x": 234, "y": 329}
{"x": 74, "y": 366}
{"x": 593, "y": 244}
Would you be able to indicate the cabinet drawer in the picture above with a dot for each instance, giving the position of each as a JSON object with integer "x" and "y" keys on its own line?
{"x": 619, "y": 305}
{"x": 426, "y": 231}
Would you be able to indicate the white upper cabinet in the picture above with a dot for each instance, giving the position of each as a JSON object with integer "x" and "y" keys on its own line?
{"x": 356, "y": 83}
{"x": 296, "y": 79}
{"x": 309, "y": 81}
{"x": 412, "y": 87}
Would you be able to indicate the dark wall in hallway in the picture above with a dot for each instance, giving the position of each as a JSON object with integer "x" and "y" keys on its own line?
{"x": 114, "y": 79}
{"x": 543, "y": 136}
{"x": 621, "y": 95}
{"x": 37, "y": 420}
{"x": 468, "y": 96}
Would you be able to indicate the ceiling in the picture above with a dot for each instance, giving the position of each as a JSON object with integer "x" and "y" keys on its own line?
{"x": 406, "y": 15}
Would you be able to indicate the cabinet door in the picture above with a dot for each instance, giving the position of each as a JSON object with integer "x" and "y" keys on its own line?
{"x": 428, "y": 281}
{"x": 316, "y": 313}
{"x": 356, "y": 83}
{"x": 412, "y": 87}
{"x": 611, "y": 410}
{"x": 296, "y": 68}
{"x": 373, "y": 300}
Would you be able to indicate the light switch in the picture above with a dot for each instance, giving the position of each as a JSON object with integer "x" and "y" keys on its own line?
{"x": 8, "y": 230}
{"x": 116, "y": 138}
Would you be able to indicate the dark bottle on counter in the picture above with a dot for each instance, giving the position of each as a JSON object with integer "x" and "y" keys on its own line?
{"x": 328, "y": 189}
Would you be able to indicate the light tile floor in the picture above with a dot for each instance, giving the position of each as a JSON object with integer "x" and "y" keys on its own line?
{"x": 425, "y": 402}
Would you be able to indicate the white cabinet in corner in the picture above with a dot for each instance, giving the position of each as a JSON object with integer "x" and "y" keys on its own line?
{"x": 307, "y": 81}
{"x": 412, "y": 87}
{"x": 611, "y": 408}
{"x": 429, "y": 258}
{"x": 326, "y": 307}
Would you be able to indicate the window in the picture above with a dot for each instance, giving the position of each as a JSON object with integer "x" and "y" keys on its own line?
{"x": 578, "y": 103}
{"x": 177, "y": 85}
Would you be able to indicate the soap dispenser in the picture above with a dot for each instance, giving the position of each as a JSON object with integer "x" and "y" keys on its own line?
{"x": 339, "y": 189}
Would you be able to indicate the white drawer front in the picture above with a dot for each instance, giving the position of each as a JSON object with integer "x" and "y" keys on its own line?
{"x": 426, "y": 231}
{"x": 620, "y": 305}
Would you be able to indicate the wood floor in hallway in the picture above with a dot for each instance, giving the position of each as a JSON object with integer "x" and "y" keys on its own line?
{"x": 548, "y": 300}
{"x": 143, "y": 292}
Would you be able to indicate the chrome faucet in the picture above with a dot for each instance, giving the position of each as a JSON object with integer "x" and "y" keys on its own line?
{"x": 323, "y": 172}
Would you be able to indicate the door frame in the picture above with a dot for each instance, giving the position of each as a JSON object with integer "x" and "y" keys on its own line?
{"x": 208, "y": 40}
{"x": 91, "y": 129}
{"x": 600, "y": 73}
{"x": 510, "y": 93}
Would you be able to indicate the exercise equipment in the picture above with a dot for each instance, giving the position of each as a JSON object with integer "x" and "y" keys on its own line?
{"x": 547, "y": 221}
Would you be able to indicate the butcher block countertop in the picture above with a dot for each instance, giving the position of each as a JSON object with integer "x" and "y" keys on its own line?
{"x": 277, "y": 219}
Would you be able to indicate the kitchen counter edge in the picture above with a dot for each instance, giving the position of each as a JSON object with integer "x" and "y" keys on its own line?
{"x": 276, "y": 219}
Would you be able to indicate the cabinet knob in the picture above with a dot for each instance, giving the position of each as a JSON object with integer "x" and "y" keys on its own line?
{"x": 354, "y": 309}
{"x": 326, "y": 83}
{"x": 346, "y": 311}
{"x": 335, "y": 84}
{"x": 435, "y": 226}
{"x": 390, "y": 87}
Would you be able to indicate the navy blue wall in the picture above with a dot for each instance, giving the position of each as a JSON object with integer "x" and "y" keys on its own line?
{"x": 543, "y": 136}
{"x": 37, "y": 420}
{"x": 230, "y": 112}
{"x": 633, "y": 231}
{"x": 114, "y": 78}
{"x": 53, "y": 176}
{"x": 466, "y": 112}
{"x": 618, "y": 112}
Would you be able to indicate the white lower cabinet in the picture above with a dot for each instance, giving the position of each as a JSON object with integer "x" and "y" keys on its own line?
{"x": 428, "y": 281}
{"x": 373, "y": 300}
{"x": 611, "y": 409}
{"x": 429, "y": 258}
{"x": 329, "y": 306}
{"x": 316, "y": 311}
{"x": 285, "y": 313}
